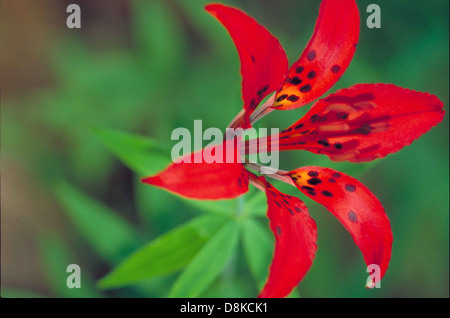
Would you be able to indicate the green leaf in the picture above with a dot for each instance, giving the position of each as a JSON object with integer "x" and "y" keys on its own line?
{"x": 220, "y": 207}
{"x": 208, "y": 263}
{"x": 56, "y": 256}
{"x": 109, "y": 234}
{"x": 139, "y": 153}
{"x": 258, "y": 246}
{"x": 256, "y": 204}
{"x": 164, "y": 255}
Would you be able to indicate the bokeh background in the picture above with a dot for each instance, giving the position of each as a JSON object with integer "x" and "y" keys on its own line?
{"x": 147, "y": 67}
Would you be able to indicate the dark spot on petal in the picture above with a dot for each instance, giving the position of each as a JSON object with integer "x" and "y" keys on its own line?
{"x": 305, "y": 88}
{"x": 311, "y": 75}
{"x": 304, "y": 132}
{"x": 323, "y": 142}
{"x": 336, "y": 175}
{"x": 317, "y": 118}
{"x": 295, "y": 80}
{"x": 293, "y": 98}
{"x": 278, "y": 203}
{"x": 327, "y": 193}
{"x": 311, "y": 55}
{"x": 338, "y": 99}
{"x": 263, "y": 89}
{"x": 299, "y": 69}
{"x": 313, "y": 174}
{"x": 312, "y": 193}
{"x": 279, "y": 99}
{"x": 335, "y": 68}
{"x": 307, "y": 188}
{"x": 352, "y": 217}
{"x": 278, "y": 230}
{"x": 363, "y": 97}
{"x": 364, "y": 129}
{"x": 350, "y": 187}
{"x": 338, "y": 145}
{"x": 314, "y": 181}
{"x": 298, "y": 209}
{"x": 290, "y": 211}
{"x": 341, "y": 115}
{"x": 332, "y": 180}
{"x": 298, "y": 126}
{"x": 239, "y": 182}
{"x": 349, "y": 100}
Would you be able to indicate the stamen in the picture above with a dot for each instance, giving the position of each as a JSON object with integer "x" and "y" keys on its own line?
{"x": 260, "y": 113}
{"x": 258, "y": 184}
{"x": 237, "y": 119}
{"x": 282, "y": 176}
{"x": 263, "y": 110}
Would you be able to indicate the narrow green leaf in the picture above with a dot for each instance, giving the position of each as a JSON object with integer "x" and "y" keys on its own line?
{"x": 208, "y": 263}
{"x": 258, "y": 246}
{"x": 256, "y": 204}
{"x": 220, "y": 207}
{"x": 56, "y": 256}
{"x": 139, "y": 153}
{"x": 109, "y": 234}
{"x": 164, "y": 255}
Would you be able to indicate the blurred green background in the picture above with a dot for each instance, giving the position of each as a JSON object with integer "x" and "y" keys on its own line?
{"x": 87, "y": 112}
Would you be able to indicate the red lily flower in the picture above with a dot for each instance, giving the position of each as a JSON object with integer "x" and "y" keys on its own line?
{"x": 361, "y": 123}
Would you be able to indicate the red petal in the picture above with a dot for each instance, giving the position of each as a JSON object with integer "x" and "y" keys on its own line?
{"x": 209, "y": 181}
{"x": 263, "y": 61}
{"x": 355, "y": 207}
{"x": 364, "y": 122}
{"x": 296, "y": 235}
{"x": 326, "y": 56}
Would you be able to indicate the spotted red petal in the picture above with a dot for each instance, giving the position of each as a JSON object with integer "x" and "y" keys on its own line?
{"x": 263, "y": 61}
{"x": 207, "y": 179}
{"x": 364, "y": 122}
{"x": 326, "y": 56}
{"x": 354, "y": 206}
{"x": 295, "y": 234}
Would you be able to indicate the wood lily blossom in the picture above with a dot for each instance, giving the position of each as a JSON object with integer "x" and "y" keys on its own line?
{"x": 360, "y": 123}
